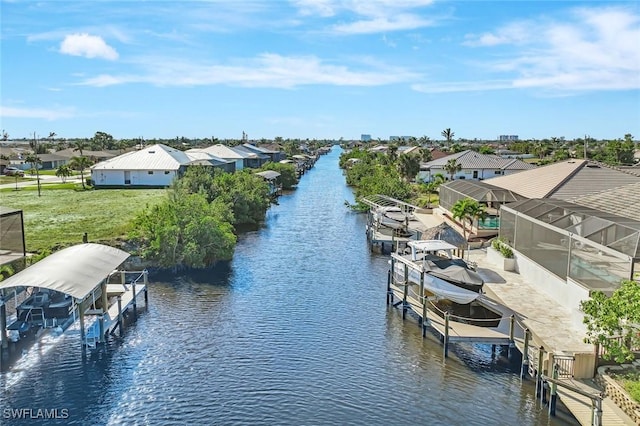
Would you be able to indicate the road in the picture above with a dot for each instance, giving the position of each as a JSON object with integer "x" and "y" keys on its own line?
{"x": 32, "y": 181}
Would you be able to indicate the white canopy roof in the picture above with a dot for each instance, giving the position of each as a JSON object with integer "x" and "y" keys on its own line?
{"x": 431, "y": 245}
{"x": 269, "y": 174}
{"x": 75, "y": 270}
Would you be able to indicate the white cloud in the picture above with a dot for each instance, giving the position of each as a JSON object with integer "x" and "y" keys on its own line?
{"x": 592, "y": 49}
{"x": 514, "y": 33}
{"x": 87, "y": 45}
{"x": 42, "y": 113}
{"x": 371, "y": 16}
{"x": 266, "y": 70}
{"x": 383, "y": 24}
{"x": 464, "y": 86}
{"x": 324, "y": 8}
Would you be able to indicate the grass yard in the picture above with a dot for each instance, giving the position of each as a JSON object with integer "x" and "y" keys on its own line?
{"x": 61, "y": 216}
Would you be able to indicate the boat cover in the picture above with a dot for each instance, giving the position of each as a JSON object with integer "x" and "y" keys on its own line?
{"x": 439, "y": 287}
{"x": 75, "y": 271}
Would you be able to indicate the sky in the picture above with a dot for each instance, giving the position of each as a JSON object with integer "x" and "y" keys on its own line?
{"x": 320, "y": 69}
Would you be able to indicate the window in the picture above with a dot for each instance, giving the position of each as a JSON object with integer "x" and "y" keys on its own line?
{"x": 150, "y": 172}
{"x": 498, "y": 172}
{"x": 166, "y": 172}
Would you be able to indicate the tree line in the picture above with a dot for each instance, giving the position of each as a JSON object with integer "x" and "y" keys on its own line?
{"x": 194, "y": 227}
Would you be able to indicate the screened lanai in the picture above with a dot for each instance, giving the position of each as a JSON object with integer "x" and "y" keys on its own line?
{"x": 593, "y": 248}
{"x": 492, "y": 197}
{"x": 12, "y": 245}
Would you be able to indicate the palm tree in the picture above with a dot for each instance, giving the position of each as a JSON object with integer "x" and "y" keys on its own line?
{"x": 81, "y": 145}
{"x": 452, "y": 167}
{"x": 448, "y": 135}
{"x": 80, "y": 163}
{"x": 465, "y": 210}
{"x": 34, "y": 161}
{"x": 63, "y": 172}
{"x": 432, "y": 186}
{"x": 408, "y": 166}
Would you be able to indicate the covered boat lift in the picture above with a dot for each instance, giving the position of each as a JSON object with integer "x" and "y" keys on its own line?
{"x": 81, "y": 272}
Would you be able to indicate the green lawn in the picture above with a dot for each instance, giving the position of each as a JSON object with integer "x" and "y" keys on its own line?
{"x": 61, "y": 216}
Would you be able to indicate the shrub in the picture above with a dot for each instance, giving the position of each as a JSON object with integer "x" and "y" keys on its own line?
{"x": 499, "y": 245}
{"x": 506, "y": 251}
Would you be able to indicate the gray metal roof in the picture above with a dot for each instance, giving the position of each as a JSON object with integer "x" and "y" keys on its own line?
{"x": 259, "y": 149}
{"x": 75, "y": 271}
{"x": 250, "y": 153}
{"x": 155, "y": 157}
{"x": 224, "y": 152}
{"x": 610, "y": 230}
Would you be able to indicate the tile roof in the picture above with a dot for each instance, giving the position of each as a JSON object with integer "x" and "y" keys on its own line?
{"x": 622, "y": 201}
{"x": 474, "y": 160}
{"x": 155, "y": 157}
{"x": 539, "y": 182}
{"x": 565, "y": 180}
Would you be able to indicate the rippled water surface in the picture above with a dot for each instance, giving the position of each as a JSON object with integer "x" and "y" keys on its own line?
{"x": 294, "y": 332}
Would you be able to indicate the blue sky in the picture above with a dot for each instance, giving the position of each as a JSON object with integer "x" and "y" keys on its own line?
{"x": 320, "y": 68}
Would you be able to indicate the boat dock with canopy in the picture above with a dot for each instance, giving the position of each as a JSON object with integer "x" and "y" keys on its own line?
{"x": 435, "y": 301}
{"x": 78, "y": 282}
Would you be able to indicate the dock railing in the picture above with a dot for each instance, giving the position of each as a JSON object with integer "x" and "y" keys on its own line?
{"x": 553, "y": 382}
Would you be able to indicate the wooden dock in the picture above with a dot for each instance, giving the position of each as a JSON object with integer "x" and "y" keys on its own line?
{"x": 122, "y": 298}
{"x": 456, "y": 331}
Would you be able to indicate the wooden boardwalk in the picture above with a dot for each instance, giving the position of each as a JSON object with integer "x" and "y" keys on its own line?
{"x": 581, "y": 406}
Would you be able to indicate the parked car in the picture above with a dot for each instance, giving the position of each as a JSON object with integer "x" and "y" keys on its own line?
{"x": 12, "y": 171}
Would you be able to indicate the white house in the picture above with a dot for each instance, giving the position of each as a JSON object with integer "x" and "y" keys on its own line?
{"x": 474, "y": 166}
{"x": 226, "y": 153}
{"x": 153, "y": 166}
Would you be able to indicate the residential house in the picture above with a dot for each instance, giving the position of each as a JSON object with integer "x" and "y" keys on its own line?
{"x": 95, "y": 156}
{"x": 273, "y": 154}
{"x": 202, "y": 158}
{"x": 226, "y": 153}
{"x": 152, "y": 166}
{"x": 52, "y": 161}
{"x": 474, "y": 166}
{"x": 252, "y": 159}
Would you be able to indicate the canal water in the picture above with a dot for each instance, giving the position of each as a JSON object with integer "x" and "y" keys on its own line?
{"x": 295, "y": 331}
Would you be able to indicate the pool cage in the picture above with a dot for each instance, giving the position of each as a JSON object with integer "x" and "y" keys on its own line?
{"x": 491, "y": 197}
{"x": 12, "y": 244}
{"x": 588, "y": 246}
